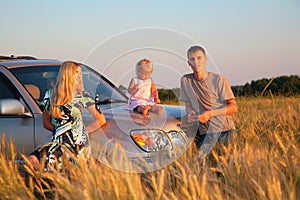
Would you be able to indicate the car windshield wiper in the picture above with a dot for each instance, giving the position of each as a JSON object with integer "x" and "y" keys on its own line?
{"x": 108, "y": 101}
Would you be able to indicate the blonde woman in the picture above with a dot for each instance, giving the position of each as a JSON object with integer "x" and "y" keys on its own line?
{"x": 65, "y": 110}
{"x": 144, "y": 95}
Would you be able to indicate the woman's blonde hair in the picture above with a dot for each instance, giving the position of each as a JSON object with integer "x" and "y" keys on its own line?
{"x": 68, "y": 83}
{"x": 144, "y": 65}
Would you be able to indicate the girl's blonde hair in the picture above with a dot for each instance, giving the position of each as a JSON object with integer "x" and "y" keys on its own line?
{"x": 144, "y": 65}
{"x": 68, "y": 83}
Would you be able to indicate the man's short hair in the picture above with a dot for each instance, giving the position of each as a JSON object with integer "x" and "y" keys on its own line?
{"x": 193, "y": 49}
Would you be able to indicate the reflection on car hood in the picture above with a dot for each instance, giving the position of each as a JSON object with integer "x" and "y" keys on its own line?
{"x": 127, "y": 120}
{"x": 120, "y": 121}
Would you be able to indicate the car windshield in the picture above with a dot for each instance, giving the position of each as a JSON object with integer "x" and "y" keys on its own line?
{"x": 44, "y": 78}
{"x": 95, "y": 84}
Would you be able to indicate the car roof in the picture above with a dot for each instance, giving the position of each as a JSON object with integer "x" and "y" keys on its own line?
{"x": 16, "y": 63}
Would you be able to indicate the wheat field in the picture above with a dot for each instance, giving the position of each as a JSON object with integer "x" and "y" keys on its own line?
{"x": 262, "y": 163}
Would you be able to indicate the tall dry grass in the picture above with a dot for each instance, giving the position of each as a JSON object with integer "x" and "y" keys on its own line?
{"x": 263, "y": 163}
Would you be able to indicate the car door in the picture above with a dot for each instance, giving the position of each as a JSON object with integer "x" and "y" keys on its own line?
{"x": 16, "y": 126}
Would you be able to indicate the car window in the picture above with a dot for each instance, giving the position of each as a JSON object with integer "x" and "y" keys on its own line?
{"x": 95, "y": 84}
{"x": 42, "y": 77}
{"x": 9, "y": 91}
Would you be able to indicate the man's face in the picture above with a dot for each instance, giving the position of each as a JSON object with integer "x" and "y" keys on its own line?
{"x": 197, "y": 60}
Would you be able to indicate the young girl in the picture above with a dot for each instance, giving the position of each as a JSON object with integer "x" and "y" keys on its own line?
{"x": 144, "y": 95}
{"x": 69, "y": 133}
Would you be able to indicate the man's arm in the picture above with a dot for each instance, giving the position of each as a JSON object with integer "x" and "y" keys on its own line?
{"x": 190, "y": 113}
{"x": 188, "y": 108}
{"x": 230, "y": 108}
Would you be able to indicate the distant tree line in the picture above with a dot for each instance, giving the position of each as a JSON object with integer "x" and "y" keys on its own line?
{"x": 283, "y": 85}
{"x": 169, "y": 96}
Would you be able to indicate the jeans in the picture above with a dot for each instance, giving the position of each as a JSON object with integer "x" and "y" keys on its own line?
{"x": 205, "y": 142}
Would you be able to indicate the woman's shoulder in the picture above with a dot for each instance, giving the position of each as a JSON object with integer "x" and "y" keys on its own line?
{"x": 87, "y": 99}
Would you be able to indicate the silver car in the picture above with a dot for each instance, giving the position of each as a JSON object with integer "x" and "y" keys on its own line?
{"x": 129, "y": 141}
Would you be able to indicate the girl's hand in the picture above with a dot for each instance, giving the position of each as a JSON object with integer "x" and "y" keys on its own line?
{"x": 136, "y": 86}
{"x": 157, "y": 101}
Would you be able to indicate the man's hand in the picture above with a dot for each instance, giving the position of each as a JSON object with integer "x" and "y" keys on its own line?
{"x": 205, "y": 116}
{"x": 191, "y": 117}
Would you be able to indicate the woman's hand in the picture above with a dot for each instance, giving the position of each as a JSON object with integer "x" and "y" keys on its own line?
{"x": 99, "y": 119}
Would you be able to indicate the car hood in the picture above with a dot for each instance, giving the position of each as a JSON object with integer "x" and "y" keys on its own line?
{"x": 113, "y": 139}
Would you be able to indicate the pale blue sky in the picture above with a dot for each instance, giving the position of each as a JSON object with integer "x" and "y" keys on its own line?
{"x": 245, "y": 40}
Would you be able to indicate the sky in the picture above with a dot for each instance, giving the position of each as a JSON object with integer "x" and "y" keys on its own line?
{"x": 245, "y": 40}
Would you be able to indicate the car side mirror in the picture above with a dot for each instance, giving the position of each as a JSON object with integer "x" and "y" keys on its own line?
{"x": 11, "y": 107}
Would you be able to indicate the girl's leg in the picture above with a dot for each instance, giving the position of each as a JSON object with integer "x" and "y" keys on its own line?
{"x": 37, "y": 155}
{"x": 143, "y": 109}
{"x": 34, "y": 161}
{"x": 157, "y": 109}
{"x": 146, "y": 110}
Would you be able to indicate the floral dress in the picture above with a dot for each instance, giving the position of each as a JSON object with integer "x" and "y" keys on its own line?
{"x": 70, "y": 134}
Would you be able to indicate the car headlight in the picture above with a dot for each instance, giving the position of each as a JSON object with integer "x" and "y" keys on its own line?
{"x": 151, "y": 140}
{"x": 177, "y": 138}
